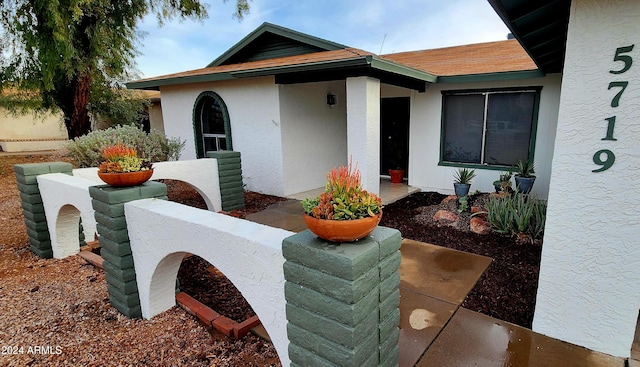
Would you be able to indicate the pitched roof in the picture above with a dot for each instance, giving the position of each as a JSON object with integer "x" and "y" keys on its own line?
{"x": 481, "y": 58}
{"x": 290, "y": 55}
{"x": 269, "y": 41}
{"x": 268, "y": 66}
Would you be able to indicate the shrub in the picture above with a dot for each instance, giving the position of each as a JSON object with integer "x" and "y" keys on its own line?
{"x": 86, "y": 151}
{"x": 517, "y": 213}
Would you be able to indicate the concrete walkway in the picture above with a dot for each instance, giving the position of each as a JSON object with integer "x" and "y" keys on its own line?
{"x": 434, "y": 330}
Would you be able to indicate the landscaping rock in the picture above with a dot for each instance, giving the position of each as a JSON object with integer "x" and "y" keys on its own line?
{"x": 479, "y": 226}
{"x": 446, "y": 216}
{"x": 449, "y": 198}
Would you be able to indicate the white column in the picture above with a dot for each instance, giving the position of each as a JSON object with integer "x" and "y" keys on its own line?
{"x": 589, "y": 289}
{"x": 363, "y": 129}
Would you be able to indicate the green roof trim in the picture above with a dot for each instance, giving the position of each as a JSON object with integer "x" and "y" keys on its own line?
{"x": 320, "y": 65}
{"x": 370, "y": 62}
{"x": 363, "y": 63}
{"x": 286, "y": 33}
{"x": 395, "y": 68}
{"x": 157, "y": 83}
{"x": 490, "y": 77}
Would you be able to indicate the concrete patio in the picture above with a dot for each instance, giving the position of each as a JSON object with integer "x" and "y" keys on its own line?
{"x": 434, "y": 329}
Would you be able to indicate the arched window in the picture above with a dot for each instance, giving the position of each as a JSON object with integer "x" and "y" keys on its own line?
{"x": 211, "y": 124}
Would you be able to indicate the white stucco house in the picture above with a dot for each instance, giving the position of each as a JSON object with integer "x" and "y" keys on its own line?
{"x": 563, "y": 93}
{"x": 296, "y": 106}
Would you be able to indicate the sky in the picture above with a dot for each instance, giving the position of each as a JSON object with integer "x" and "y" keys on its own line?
{"x": 378, "y": 26}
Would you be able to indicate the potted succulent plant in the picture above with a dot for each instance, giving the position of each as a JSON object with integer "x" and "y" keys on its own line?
{"x": 504, "y": 183}
{"x": 344, "y": 212}
{"x": 462, "y": 183}
{"x": 122, "y": 167}
{"x": 525, "y": 176}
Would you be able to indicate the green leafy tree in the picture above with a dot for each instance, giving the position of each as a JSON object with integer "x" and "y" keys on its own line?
{"x": 74, "y": 55}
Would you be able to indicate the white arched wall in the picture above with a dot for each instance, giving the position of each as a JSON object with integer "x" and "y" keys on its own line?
{"x": 249, "y": 254}
{"x": 201, "y": 174}
{"x": 66, "y": 199}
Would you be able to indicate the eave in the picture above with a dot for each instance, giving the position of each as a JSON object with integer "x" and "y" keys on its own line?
{"x": 541, "y": 28}
{"x": 362, "y": 65}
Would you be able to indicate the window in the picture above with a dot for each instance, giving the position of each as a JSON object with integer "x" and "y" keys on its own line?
{"x": 489, "y": 127}
{"x": 211, "y": 124}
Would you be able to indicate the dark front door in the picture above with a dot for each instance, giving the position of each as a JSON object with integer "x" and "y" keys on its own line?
{"x": 394, "y": 134}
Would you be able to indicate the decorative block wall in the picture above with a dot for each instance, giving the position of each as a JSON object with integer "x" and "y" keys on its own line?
{"x": 230, "y": 172}
{"x": 342, "y": 300}
{"x": 32, "y": 207}
{"x": 108, "y": 203}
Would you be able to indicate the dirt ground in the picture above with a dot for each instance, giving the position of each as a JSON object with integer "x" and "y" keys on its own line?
{"x": 63, "y": 304}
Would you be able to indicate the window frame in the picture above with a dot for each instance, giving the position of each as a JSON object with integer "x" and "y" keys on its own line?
{"x": 537, "y": 90}
{"x": 199, "y": 135}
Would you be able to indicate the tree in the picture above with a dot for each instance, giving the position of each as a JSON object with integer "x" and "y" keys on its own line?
{"x": 72, "y": 54}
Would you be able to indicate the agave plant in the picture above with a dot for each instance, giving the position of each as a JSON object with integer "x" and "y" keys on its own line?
{"x": 464, "y": 175}
{"x": 526, "y": 169}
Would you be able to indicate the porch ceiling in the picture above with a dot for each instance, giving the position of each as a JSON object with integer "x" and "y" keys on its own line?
{"x": 540, "y": 26}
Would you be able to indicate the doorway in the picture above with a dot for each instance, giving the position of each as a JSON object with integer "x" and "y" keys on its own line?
{"x": 394, "y": 134}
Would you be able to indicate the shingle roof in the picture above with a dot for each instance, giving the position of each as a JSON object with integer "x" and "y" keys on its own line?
{"x": 299, "y": 60}
{"x": 482, "y": 58}
{"x": 475, "y": 59}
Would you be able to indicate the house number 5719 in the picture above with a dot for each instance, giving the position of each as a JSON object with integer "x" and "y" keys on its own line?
{"x": 605, "y": 157}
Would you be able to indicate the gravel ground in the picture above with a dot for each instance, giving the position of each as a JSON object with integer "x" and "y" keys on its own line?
{"x": 56, "y": 312}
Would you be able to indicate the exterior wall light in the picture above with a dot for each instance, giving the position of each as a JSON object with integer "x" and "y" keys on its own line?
{"x": 332, "y": 99}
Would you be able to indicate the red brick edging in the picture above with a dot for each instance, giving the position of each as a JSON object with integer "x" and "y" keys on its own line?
{"x": 93, "y": 259}
{"x": 211, "y": 318}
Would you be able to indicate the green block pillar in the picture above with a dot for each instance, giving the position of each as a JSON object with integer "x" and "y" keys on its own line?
{"x": 343, "y": 299}
{"x": 32, "y": 207}
{"x": 115, "y": 248}
{"x": 230, "y": 173}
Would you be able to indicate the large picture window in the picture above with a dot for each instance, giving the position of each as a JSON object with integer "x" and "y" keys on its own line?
{"x": 489, "y": 127}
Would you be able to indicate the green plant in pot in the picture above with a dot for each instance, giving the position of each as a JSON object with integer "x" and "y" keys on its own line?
{"x": 504, "y": 183}
{"x": 525, "y": 176}
{"x": 462, "y": 183}
{"x": 344, "y": 212}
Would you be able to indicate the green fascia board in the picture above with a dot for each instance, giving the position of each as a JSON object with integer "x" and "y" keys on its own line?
{"x": 321, "y": 65}
{"x": 324, "y": 65}
{"x": 157, "y": 83}
{"x": 280, "y": 31}
{"x": 395, "y": 68}
{"x": 489, "y": 77}
{"x": 370, "y": 61}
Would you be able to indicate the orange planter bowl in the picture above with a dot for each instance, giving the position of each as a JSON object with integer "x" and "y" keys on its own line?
{"x": 342, "y": 230}
{"x": 126, "y": 179}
